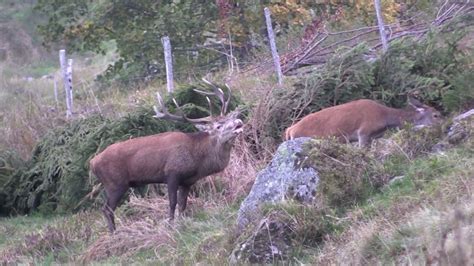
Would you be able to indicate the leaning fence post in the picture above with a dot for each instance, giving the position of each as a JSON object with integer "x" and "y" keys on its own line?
{"x": 69, "y": 83}
{"x": 55, "y": 84}
{"x": 271, "y": 37}
{"x": 383, "y": 37}
{"x": 168, "y": 63}
{"x": 62, "y": 61}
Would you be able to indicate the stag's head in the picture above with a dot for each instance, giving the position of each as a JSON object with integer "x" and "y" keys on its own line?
{"x": 224, "y": 128}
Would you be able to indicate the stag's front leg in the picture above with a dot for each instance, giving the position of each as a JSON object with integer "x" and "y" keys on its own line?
{"x": 172, "y": 195}
{"x": 183, "y": 198}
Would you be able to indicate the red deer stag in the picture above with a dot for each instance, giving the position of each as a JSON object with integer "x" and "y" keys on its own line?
{"x": 174, "y": 158}
{"x": 361, "y": 120}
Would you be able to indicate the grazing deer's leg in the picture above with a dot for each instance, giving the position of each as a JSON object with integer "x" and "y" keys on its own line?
{"x": 287, "y": 134}
{"x": 183, "y": 198}
{"x": 363, "y": 138}
{"x": 113, "y": 196}
{"x": 172, "y": 194}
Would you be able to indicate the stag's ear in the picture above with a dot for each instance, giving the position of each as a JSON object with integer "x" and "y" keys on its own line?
{"x": 414, "y": 102}
{"x": 201, "y": 127}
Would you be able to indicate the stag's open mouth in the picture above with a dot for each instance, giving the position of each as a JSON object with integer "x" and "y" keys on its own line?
{"x": 239, "y": 128}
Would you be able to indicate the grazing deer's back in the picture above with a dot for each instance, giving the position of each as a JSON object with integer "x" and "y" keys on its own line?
{"x": 360, "y": 120}
{"x": 340, "y": 120}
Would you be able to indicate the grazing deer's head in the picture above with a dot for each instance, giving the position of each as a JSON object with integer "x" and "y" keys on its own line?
{"x": 424, "y": 115}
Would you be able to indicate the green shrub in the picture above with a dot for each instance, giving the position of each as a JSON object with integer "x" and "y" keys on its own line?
{"x": 433, "y": 68}
{"x": 10, "y": 162}
{"x": 461, "y": 94}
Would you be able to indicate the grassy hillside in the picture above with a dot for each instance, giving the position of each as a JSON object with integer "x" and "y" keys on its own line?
{"x": 427, "y": 216}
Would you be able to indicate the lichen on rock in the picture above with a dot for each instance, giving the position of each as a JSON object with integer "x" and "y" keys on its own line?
{"x": 283, "y": 178}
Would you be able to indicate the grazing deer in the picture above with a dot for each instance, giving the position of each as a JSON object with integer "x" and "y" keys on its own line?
{"x": 173, "y": 158}
{"x": 361, "y": 120}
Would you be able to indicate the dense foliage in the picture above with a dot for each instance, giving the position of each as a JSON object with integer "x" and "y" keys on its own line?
{"x": 202, "y": 33}
{"x": 435, "y": 69}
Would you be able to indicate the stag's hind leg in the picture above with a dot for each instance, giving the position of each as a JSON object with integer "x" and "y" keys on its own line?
{"x": 183, "y": 198}
{"x": 172, "y": 196}
{"x": 113, "y": 196}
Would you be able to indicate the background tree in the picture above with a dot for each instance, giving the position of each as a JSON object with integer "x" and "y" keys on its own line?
{"x": 199, "y": 30}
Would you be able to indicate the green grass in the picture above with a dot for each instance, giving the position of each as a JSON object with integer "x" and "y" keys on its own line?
{"x": 37, "y": 238}
{"x": 13, "y": 229}
{"x": 423, "y": 175}
{"x": 411, "y": 211}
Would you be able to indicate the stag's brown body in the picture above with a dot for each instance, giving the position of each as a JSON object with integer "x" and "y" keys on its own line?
{"x": 163, "y": 158}
{"x": 173, "y": 158}
{"x": 360, "y": 120}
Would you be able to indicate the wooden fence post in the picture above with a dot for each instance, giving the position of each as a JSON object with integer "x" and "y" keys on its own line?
{"x": 62, "y": 61}
{"x": 168, "y": 63}
{"x": 380, "y": 23}
{"x": 69, "y": 83}
{"x": 55, "y": 83}
{"x": 271, "y": 37}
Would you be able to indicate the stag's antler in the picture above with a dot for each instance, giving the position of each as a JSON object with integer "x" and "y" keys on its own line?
{"x": 217, "y": 92}
{"x": 165, "y": 114}
{"x": 162, "y": 112}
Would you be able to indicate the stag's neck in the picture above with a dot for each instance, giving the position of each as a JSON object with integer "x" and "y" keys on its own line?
{"x": 214, "y": 156}
{"x": 397, "y": 117}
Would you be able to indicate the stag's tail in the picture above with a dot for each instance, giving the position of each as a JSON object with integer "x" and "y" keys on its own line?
{"x": 95, "y": 189}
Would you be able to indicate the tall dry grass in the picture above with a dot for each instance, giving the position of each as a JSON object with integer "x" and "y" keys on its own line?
{"x": 26, "y": 113}
{"x": 140, "y": 230}
{"x": 28, "y": 108}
